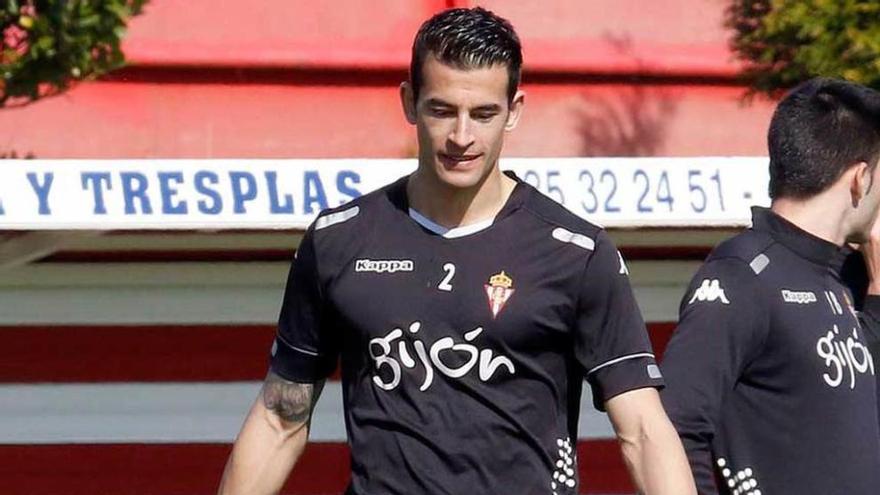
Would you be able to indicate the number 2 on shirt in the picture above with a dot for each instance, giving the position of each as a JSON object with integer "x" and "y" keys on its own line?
{"x": 445, "y": 285}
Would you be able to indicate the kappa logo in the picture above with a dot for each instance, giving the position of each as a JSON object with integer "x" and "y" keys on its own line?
{"x": 710, "y": 291}
{"x": 798, "y": 297}
{"x": 384, "y": 266}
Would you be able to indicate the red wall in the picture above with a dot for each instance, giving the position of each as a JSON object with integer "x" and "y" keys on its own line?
{"x": 297, "y": 78}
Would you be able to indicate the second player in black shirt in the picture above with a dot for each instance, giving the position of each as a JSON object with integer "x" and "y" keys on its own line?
{"x": 772, "y": 382}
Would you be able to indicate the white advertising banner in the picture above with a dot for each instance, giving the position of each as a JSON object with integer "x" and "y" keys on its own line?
{"x": 289, "y": 194}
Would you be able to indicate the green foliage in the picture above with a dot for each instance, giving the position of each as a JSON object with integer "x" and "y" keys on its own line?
{"x": 48, "y": 44}
{"x": 784, "y": 42}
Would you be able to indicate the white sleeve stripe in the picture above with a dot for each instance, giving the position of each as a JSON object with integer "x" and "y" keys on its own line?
{"x": 295, "y": 348}
{"x": 335, "y": 218}
{"x": 619, "y": 359}
{"x": 579, "y": 240}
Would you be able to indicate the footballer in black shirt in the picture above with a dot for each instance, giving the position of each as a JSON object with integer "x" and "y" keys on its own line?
{"x": 465, "y": 309}
{"x": 771, "y": 380}
{"x": 463, "y": 350}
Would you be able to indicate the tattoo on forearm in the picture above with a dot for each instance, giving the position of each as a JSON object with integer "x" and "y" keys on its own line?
{"x": 291, "y": 401}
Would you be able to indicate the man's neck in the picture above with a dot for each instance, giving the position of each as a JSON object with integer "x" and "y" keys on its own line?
{"x": 456, "y": 207}
{"x": 817, "y": 215}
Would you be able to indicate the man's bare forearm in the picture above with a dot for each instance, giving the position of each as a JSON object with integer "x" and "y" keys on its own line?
{"x": 657, "y": 463}
{"x": 272, "y": 437}
{"x": 650, "y": 445}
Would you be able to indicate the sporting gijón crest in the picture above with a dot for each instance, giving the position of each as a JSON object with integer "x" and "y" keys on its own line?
{"x": 499, "y": 289}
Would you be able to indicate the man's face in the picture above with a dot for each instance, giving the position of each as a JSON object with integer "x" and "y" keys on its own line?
{"x": 461, "y": 117}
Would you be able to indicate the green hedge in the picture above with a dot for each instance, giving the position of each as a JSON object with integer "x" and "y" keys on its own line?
{"x": 48, "y": 44}
{"x": 784, "y": 42}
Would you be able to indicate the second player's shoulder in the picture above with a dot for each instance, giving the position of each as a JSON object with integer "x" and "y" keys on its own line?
{"x": 735, "y": 271}
{"x": 749, "y": 248}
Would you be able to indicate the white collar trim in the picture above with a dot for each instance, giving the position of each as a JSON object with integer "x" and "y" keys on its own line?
{"x": 447, "y": 232}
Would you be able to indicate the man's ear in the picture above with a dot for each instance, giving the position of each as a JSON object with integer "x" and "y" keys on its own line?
{"x": 861, "y": 182}
{"x": 407, "y": 101}
{"x": 516, "y": 109}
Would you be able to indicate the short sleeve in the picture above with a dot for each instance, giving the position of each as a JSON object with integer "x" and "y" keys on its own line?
{"x": 611, "y": 341}
{"x": 304, "y": 349}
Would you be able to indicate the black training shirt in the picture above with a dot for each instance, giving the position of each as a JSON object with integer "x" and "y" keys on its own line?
{"x": 462, "y": 353}
{"x": 770, "y": 381}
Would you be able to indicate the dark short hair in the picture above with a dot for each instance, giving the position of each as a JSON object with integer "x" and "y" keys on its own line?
{"x": 467, "y": 39}
{"x": 818, "y": 131}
